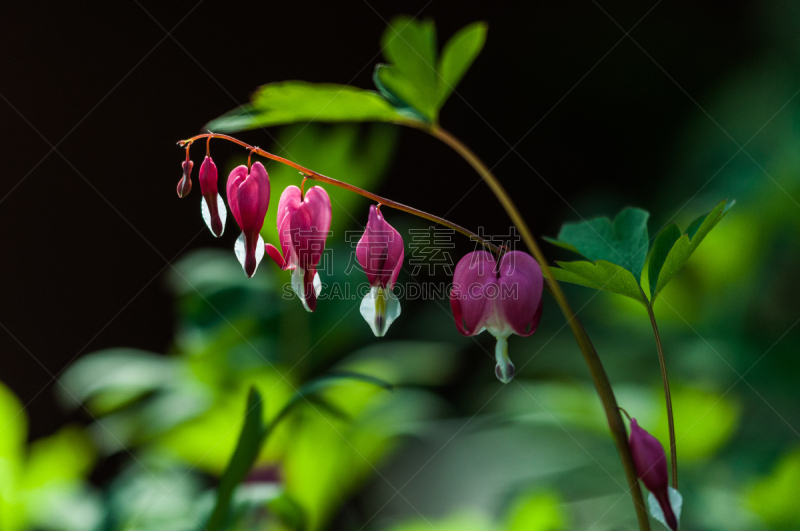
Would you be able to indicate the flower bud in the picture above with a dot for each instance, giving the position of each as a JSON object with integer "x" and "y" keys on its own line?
{"x": 185, "y": 184}
{"x": 214, "y": 212}
{"x": 651, "y": 467}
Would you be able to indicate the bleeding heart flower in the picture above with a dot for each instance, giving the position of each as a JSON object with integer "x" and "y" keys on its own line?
{"x": 248, "y": 197}
{"x": 185, "y": 184}
{"x": 651, "y": 467}
{"x": 504, "y": 299}
{"x": 380, "y": 253}
{"x": 303, "y": 225}
{"x": 214, "y": 212}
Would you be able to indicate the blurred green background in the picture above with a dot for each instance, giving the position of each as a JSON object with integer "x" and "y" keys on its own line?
{"x": 450, "y": 447}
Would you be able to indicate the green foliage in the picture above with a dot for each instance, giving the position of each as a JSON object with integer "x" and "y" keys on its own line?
{"x": 618, "y": 250}
{"x": 774, "y": 497}
{"x": 705, "y": 421}
{"x": 43, "y": 485}
{"x": 462, "y": 521}
{"x": 114, "y": 378}
{"x": 457, "y": 56}
{"x": 416, "y": 83}
{"x": 537, "y": 511}
{"x": 414, "y": 87}
{"x": 623, "y": 242}
{"x": 672, "y": 249}
{"x": 290, "y": 102}
{"x": 601, "y": 275}
{"x": 250, "y": 441}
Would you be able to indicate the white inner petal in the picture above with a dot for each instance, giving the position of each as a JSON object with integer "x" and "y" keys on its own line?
{"x": 380, "y": 308}
{"x": 317, "y": 284}
{"x": 675, "y": 500}
{"x": 241, "y": 252}
{"x": 299, "y": 285}
{"x": 223, "y": 213}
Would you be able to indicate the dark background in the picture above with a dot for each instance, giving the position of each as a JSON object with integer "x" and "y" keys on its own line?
{"x": 95, "y": 95}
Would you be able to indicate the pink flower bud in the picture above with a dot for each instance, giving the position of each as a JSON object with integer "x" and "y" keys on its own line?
{"x": 503, "y": 299}
{"x": 248, "y": 197}
{"x": 213, "y": 207}
{"x": 185, "y": 184}
{"x": 303, "y": 225}
{"x": 380, "y": 253}
{"x": 651, "y": 467}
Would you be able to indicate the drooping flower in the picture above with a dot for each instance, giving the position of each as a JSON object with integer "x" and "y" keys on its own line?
{"x": 303, "y": 225}
{"x": 504, "y": 298}
{"x": 214, "y": 212}
{"x": 651, "y": 467}
{"x": 185, "y": 184}
{"x": 380, "y": 253}
{"x": 248, "y": 197}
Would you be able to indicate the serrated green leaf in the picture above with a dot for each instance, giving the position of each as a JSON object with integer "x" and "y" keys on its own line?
{"x": 623, "y": 242}
{"x": 684, "y": 246}
{"x": 562, "y": 275}
{"x": 602, "y": 275}
{"x": 658, "y": 254}
{"x": 298, "y": 101}
{"x": 457, "y": 56}
{"x": 410, "y": 46}
{"x": 247, "y": 449}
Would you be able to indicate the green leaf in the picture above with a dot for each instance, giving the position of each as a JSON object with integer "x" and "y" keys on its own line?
{"x": 247, "y": 449}
{"x": 410, "y": 46}
{"x": 457, "y": 56}
{"x": 537, "y": 511}
{"x": 388, "y": 72}
{"x": 682, "y": 248}
{"x": 324, "y": 382}
{"x": 773, "y": 496}
{"x": 111, "y": 378}
{"x": 601, "y": 275}
{"x": 623, "y": 242}
{"x": 298, "y": 101}
{"x": 661, "y": 247}
{"x": 291, "y": 513}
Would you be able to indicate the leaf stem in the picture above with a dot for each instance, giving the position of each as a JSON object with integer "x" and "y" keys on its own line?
{"x": 592, "y": 359}
{"x": 310, "y": 174}
{"x": 673, "y": 453}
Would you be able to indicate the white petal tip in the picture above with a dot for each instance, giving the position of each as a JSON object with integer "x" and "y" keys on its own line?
{"x": 675, "y": 500}
{"x": 241, "y": 253}
{"x": 223, "y": 214}
{"x": 380, "y": 308}
{"x": 299, "y": 286}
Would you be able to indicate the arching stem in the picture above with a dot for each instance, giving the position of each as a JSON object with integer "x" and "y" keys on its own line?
{"x": 310, "y": 174}
{"x": 598, "y": 373}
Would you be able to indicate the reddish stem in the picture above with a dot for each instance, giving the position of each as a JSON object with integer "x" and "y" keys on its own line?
{"x": 310, "y": 174}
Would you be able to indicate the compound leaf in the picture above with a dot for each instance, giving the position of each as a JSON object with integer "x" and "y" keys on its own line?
{"x": 682, "y": 248}
{"x": 623, "y": 242}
